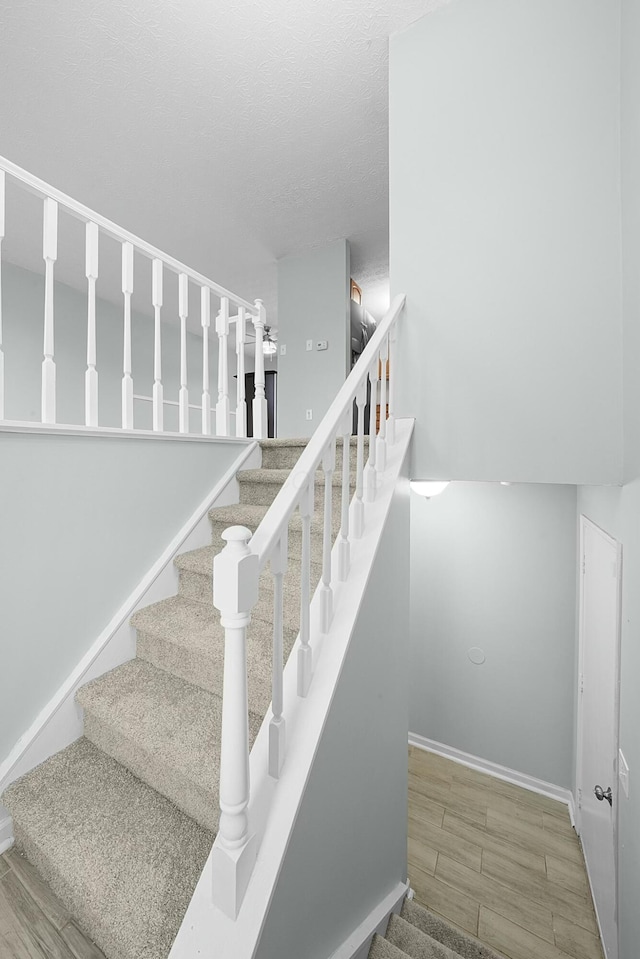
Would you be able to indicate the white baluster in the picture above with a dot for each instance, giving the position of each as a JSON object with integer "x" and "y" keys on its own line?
{"x": 205, "y": 319}
{"x": 2, "y": 180}
{"x": 370, "y": 475}
{"x": 127, "y": 380}
{"x": 158, "y": 390}
{"x": 241, "y": 406}
{"x": 259, "y": 401}
{"x": 223, "y": 425}
{"x": 326, "y": 591}
{"x": 50, "y": 255}
{"x": 277, "y": 726}
{"x": 183, "y": 312}
{"x": 358, "y": 505}
{"x": 91, "y": 375}
{"x": 344, "y": 547}
{"x": 305, "y": 653}
{"x": 381, "y": 452}
{"x": 391, "y": 421}
{"x": 235, "y": 592}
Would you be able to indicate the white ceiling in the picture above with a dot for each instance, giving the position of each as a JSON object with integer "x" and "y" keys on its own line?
{"x": 228, "y": 134}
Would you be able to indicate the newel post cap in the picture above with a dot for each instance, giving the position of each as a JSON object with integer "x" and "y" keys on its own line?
{"x": 235, "y": 574}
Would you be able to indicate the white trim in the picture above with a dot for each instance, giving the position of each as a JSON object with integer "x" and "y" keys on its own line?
{"x": 357, "y": 945}
{"x": 559, "y": 793}
{"x": 17, "y": 426}
{"x": 60, "y": 723}
{"x": 6, "y": 833}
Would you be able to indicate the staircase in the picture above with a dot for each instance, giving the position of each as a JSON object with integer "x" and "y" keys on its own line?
{"x": 418, "y": 934}
{"x": 121, "y": 822}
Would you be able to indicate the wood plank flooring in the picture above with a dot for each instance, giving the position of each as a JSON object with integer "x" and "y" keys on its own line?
{"x": 500, "y": 862}
{"x": 33, "y": 923}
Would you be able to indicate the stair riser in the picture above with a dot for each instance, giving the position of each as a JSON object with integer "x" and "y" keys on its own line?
{"x": 263, "y": 494}
{"x": 200, "y": 804}
{"x": 286, "y": 457}
{"x": 205, "y": 668}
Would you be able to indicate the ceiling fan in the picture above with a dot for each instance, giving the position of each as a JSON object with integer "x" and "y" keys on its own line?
{"x": 269, "y": 340}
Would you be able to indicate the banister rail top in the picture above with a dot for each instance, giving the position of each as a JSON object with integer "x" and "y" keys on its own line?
{"x": 87, "y": 215}
{"x": 270, "y": 529}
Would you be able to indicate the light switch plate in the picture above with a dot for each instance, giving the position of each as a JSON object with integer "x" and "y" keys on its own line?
{"x": 309, "y": 345}
{"x": 322, "y": 345}
{"x": 283, "y": 349}
{"x": 623, "y": 773}
{"x": 309, "y": 414}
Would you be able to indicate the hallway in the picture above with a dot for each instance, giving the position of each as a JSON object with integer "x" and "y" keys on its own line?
{"x": 499, "y": 861}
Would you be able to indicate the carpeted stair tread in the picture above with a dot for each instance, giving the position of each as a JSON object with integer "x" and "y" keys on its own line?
{"x": 184, "y": 637}
{"x": 201, "y": 561}
{"x": 415, "y": 943}
{"x": 164, "y": 730}
{"x": 457, "y": 941}
{"x": 284, "y": 454}
{"x": 278, "y": 477}
{"x": 382, "y": 949}
{"x": 123, "y": 859}
{"x": 249, "y": 515}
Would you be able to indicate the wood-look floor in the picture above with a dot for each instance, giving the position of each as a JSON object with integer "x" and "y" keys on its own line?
{"x": 33, "y": 923}
{"x": 500, "y": 862}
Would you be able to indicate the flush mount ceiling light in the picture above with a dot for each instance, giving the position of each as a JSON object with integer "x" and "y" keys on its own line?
{"x": 428, "y": 488}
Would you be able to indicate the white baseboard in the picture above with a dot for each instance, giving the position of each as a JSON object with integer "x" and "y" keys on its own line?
{"x": 558, "y": 793}
{"x": 6, "y": 832}
{"x": 357, "y": 945}
{"x": 60, "y": 723}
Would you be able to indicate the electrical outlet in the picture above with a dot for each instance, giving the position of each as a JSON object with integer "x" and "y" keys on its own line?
{"x": 623, "y": 773}
{"x": 309, "y": 348}
{"x": 322, "y": 345}
{"x": 309, "y": 414}
{"x": 283, "y": 349}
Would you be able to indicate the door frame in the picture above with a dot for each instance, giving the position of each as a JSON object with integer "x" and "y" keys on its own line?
{"x": 584, "y": 523}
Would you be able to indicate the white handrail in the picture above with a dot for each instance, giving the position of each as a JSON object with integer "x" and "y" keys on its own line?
{"x": 131, "y": 245}
{"x": 268, "y": 533}
{"x": 236, "y": 572}
{"x": 84, "y": 213}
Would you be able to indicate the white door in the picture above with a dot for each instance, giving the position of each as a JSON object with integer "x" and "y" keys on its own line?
{"x": 598, "y": 720}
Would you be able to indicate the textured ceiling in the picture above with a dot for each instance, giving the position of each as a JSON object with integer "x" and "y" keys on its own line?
{"x": 227, "y": 133}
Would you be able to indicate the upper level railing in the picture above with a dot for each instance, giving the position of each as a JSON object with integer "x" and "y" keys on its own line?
{"x": 161, "y": 264}
{"x": 237, "y": 569}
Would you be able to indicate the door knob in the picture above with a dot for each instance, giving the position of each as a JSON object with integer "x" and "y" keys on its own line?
{"x": 603, "y": 794}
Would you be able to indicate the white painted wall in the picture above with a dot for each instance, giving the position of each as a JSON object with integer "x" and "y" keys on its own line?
{"x": 23, "y": 307}
{"x": 494, "y": 567}
{"x": 82, "y": 520}
{"x": 505, "y": 235}
{"x": 349, "y": 844}
{"x": 313, "y": 304}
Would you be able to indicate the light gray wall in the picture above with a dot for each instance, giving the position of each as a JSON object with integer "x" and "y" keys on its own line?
{"x": 505, "y": 235}
{"x": 313, "y": 304}
{"x": 349, "y": 844}
{"x": 495, "y": 567}
{"x": 82, "y": 519}
{"x": 23, "y": 307}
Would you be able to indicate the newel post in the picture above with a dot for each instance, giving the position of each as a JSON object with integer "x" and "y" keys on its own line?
{"x": 235, "y": 593}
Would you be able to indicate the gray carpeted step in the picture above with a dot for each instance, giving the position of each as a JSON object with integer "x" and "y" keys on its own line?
{"x": 260, "y": 487}
{"x": 164, "y": 730}
{"x": 457, "y": 941}
{"x": 196, "y": 583}
{"x": 241, "y": 514}
{"x": 123, "y": 860}
{"x": 381, "y": 949}
{"x": 185, "y": 638}
{"x": 416, "y": 944}
{"x": 284, "y": 454}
